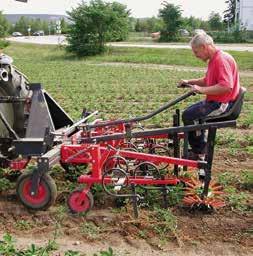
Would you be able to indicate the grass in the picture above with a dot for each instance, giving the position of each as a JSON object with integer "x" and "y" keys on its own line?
{"x": 116, "y": 91}
{"x": 182, "y": 57}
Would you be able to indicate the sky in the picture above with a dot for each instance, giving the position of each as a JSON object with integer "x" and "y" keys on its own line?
{"x": 139, "y": 8}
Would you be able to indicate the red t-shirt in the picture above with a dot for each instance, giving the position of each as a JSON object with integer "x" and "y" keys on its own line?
{"x": 222, "y": 70}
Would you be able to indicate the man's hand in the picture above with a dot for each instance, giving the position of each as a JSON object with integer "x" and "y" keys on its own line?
{"x": 181, "y": 83}
{"x": 197, "y": 89}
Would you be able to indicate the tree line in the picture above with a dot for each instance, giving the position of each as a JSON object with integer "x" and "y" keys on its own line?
{"x": 93, "y": 24}
{"x": 25, "y": 23}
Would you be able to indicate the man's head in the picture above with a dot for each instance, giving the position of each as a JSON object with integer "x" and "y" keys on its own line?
{"x": 202, "y": 46}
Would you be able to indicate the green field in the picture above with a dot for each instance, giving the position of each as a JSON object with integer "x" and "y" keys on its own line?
{"x": 115, "y": 91}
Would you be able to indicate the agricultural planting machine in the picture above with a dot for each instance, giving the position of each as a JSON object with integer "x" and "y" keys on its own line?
{"x": 120, "y": 154}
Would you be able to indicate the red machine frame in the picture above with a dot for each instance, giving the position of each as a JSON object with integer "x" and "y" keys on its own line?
{"x": 107, "y": 146}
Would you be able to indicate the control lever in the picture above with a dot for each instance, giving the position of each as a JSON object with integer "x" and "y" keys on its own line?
{"x": 184, "y": 85}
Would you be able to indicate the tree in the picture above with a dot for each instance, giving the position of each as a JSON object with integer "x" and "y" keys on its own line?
{"x": 64, "y": 26}
{"x": 121, "y": 22}
{"x": 172, "y": 18}
{"x": 229, "y": 14}
{"x": 193, "y": 23}
{"x": 154, "y": 24}
{"x": 4, "y": 25}
{"x": 94, "y": 24}
{"x": 22, "y": 25}
{"x": 215, "y": 21}
{"x": 141, "y": 25}
{"x": 35, "y": 24}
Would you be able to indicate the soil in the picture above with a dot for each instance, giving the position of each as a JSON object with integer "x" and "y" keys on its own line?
{"x": 226, "y": 231}
{"x": 220, "y": 233}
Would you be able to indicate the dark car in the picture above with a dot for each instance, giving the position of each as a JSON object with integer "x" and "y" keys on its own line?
{"x": 38, "y": 33}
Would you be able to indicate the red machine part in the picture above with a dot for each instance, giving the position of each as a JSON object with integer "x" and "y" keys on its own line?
{"x": 115, "y": 154}
{"x": 80, "y": 201}
{"x": 18, "y": 165}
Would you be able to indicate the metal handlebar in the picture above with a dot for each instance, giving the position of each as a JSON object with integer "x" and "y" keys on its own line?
{"x": 138, "y": 119}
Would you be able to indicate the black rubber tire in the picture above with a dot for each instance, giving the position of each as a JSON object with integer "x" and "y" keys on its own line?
{"x": 15, "y": 86}
{"x": 85, "y": 207}
{"x": 46, "y": 194}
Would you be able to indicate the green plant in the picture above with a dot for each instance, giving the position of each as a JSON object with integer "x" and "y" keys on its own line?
{"x": 39, "y": 251}
{"x": 7, "y": 247}
{"x": 105, "y": 253}
{"x": 176, "y": 194}
{"x": 246, "y": 179}
{"x": 23, "y": 225}
{"x": 237, "y": 200}
{"x": 151, "y": 198}
{"x": 142, "y": 234}
{"x": 72, "y": 253}
{"x": 90, "y": 229}
{"x": 5, "y": 184}
{"x": 227, "y": 178}
{"x": 4, "y": 43}
{"x": 60, "y": 213}
{"x": 98, "y": 192}
{"x": 166, "y": 221}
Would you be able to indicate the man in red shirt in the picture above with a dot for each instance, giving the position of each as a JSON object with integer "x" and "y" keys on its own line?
{"x": 220, "y": 85}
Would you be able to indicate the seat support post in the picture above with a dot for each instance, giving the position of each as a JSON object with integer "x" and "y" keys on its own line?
{"x": 209, "y": 159}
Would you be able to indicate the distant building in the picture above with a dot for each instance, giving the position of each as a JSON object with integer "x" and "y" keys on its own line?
{"x": 244, "y": 14}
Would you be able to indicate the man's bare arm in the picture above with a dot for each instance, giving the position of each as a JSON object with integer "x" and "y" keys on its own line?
{"x": 199, "y": 81}
{"x": 212, "y": 90}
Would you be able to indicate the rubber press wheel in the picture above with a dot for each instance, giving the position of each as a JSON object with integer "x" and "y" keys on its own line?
{"x": 45, "y": 196}
{"x": 77, "y": 205}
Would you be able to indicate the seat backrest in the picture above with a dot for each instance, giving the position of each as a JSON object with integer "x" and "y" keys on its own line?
{"x": 234, "y": 111}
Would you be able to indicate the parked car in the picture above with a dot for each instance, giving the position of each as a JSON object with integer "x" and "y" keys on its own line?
{"x": 183, "y": 32}
{"x": 17, "y": 34}
{"x": 198, "y": 31}
{"x": 39, "y": 33}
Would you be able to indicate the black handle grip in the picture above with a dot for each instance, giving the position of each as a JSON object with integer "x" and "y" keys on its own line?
{"x": 184, "y": 85}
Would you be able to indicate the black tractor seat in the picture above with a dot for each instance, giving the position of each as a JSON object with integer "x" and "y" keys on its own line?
{"x": 234, "y": 111}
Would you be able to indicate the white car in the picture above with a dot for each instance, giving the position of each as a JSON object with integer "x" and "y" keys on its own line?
{"x": 198, "y": 31}
{"x": 16, "y": 34}
{"x": 183, "y": 32}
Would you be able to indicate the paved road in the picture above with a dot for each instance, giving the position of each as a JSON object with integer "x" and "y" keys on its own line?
{"x": 61, "y": 40}
{"x": 39, "y": 39}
